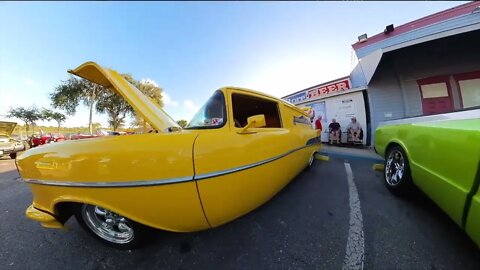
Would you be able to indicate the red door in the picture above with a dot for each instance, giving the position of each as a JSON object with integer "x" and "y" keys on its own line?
{"x": 436, "y": 95}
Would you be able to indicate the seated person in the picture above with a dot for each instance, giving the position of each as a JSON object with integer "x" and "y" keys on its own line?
{"x": 355, "y": 130}
{"x": 334, "y": 131}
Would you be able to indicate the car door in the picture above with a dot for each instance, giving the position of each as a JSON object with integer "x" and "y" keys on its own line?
{"x": 235, "y": 171}
{"x": 473, "y": 217}
{"x": 444, "y": 157}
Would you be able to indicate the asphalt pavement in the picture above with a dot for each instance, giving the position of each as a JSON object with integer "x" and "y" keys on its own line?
{"x": 313, "y": 223}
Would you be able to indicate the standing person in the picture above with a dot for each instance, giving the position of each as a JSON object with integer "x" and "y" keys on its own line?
{"x": 334, "y": 131}
{"x": 318, "y": 127}
{"x": 312, "y": 115}
{"x": 318, "y": 123}
{"x": 355, "y": 130}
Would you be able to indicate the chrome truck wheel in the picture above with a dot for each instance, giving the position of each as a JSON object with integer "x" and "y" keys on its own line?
{"x": 110, "y": 227}
{"x": 397, "y": 174}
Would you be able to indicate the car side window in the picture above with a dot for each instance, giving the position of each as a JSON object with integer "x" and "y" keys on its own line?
{"x": 245, "y": 106}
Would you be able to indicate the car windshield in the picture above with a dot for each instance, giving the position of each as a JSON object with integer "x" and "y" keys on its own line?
{"x": 211, "y": 115}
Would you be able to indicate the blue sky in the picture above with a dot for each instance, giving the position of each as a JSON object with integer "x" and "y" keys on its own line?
{"x": 190, "y": 49}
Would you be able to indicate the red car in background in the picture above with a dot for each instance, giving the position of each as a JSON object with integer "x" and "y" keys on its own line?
{"x": 38, "y": 139}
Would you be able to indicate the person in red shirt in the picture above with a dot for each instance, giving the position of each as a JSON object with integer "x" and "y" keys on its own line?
{"x": 318, "y": 126}
{"x": 318, "y": 123}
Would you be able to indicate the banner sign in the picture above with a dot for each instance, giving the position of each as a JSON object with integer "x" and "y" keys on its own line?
{"x": 320, "y": 91}
{"x": 297, "y": 98}
{"x": 328, "y": 89}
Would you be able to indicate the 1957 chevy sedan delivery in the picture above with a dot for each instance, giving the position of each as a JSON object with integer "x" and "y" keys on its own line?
{"x": 239, "y": 150}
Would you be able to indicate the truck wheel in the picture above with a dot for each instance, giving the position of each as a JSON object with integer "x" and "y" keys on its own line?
{"x": 111, "y": 228}
{"x": 13, "y": 155}
{"x": 397, "y": 174}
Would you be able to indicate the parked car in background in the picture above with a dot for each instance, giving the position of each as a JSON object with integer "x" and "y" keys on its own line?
{"x": 8, "y": 145}
{"x": 99, "y": 133}
{"x": 82, "y": 136}
{"x": 40, "y": 139}
{"x": 440, "y": 157}
{"x": 239, "y": 150}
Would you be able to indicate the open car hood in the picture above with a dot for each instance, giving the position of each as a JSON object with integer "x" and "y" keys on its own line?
{"x": 110, "y": 78}
{"x": 6, "y": 128}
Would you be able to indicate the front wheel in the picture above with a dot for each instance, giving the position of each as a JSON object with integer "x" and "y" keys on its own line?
{"x": 398, "y": 177}
{"x": 111, "y": 228}
{"x": 13, "y": 155}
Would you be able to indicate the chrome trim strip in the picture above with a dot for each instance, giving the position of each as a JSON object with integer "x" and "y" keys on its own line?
{"x": 159, "y": 182}
{"x": 143, "y": 183}
{"x": 249, "y": 166}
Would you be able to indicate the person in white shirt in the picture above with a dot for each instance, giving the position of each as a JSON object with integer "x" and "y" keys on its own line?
{"x": 354, "y": 129}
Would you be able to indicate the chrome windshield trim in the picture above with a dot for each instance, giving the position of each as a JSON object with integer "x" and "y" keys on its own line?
{"x": 145, "y": 183}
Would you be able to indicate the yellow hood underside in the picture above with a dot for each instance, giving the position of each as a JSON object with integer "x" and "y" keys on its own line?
{"x": 111, "y": 79}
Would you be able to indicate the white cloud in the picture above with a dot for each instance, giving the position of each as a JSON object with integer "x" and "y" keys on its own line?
{"x": 167, "y": 100}
{"x": 190, "y": 106}
{"x": 149, "y": 81}
{"x": 31, "y": 83}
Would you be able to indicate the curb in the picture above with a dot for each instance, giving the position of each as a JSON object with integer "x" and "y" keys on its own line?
{"x": 350, "y": 156}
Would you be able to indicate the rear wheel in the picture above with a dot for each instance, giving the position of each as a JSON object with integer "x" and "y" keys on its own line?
{"x": 398, "y": 177}
{"x": 111, "y": 228}
{"x": 13, "y": 155}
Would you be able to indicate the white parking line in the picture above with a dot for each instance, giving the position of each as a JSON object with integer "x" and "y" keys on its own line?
{"x": 354, "y": 255}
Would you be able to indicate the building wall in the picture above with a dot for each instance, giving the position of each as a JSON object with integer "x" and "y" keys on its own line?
{"x": 341, "y": 107}
{"x": 385, "y": 99}
{"x": 394, "y": 92}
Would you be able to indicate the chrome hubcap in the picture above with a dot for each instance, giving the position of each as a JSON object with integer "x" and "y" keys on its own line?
{"x": 395, "y": 168}
{"x": 107, "y": 224}
{"x": 310, "y": 162}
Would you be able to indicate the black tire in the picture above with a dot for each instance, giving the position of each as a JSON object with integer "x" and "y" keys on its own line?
{"x": 397, "y": 174}
{"x": 311, "y": 161}
{"x": 13, "y": 155}
{"x": 87, "y": 216}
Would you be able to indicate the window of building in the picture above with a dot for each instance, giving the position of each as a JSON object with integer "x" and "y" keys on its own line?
{"x": 469, "y": 87}
{"x": 245, "y": 106}
{"x": 436, "y": 95}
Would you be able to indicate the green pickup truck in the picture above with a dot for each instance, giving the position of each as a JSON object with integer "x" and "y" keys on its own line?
{"x": 442, "y": 158}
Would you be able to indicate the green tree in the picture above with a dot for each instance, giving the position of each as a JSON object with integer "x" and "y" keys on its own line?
{"x": 70, "y": 93}
{"x": 28, "y": 115}
{"x": 96, "y": 125}
{"x": 182, "y": 123}
{"x": 56, "y": 116}
{"x": 117, "y": 108}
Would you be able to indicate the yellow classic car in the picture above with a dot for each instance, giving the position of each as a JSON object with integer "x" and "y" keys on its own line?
{"x": 239, "y": 150}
